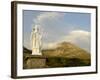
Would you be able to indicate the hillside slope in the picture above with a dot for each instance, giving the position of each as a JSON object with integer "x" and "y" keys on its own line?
{"x": 67, "y": 50}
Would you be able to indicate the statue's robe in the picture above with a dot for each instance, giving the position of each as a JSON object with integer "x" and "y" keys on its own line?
{"x": 36, "y": 43}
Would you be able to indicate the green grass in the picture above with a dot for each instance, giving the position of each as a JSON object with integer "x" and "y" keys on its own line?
{"x": 65, "y": 62}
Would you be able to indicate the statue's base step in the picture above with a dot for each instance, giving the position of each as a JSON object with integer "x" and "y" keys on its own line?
{"x": 36, "y": 53}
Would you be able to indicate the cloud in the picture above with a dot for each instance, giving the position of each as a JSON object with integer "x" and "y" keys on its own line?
{"x": 46, "y": 16}
{"x": 80, "y": 38}
{"x": 50, "y": 45}
{"x": 48, "y": 23}
{"x": 73, "y": 36}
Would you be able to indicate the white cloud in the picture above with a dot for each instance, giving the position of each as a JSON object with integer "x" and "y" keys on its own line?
{"x": 50, "y": 45}
{"x": 46, "y": 16}
{"x": 77, "y": 35}
{"x": 48, "y": 22}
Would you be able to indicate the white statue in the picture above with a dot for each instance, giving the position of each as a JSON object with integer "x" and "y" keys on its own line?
{"x": 36, "y": 41}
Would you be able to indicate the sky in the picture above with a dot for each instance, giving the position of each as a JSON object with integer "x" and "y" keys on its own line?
{"x": 58, "y": 27}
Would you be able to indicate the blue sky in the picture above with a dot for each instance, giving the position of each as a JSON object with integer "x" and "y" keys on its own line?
{"x": 57, "y": 27}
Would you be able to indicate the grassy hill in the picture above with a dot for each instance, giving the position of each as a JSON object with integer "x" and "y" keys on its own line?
{"x": 67, "y": 50}
{"x": 64, "y": 55}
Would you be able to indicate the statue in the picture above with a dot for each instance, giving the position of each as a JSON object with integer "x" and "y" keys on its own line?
{"x": 36, "y": 41}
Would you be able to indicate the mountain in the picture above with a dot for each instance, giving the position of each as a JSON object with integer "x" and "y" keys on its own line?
{"x": 67, "y": 55}
{"x": 68, "y": 50}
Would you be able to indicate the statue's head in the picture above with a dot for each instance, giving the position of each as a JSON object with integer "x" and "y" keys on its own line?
{"x": 33, "y": 29}
{"x": 36, "y": 28}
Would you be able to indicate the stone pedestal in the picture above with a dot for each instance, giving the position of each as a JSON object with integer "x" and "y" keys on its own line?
{"x": 35, "y": 62}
